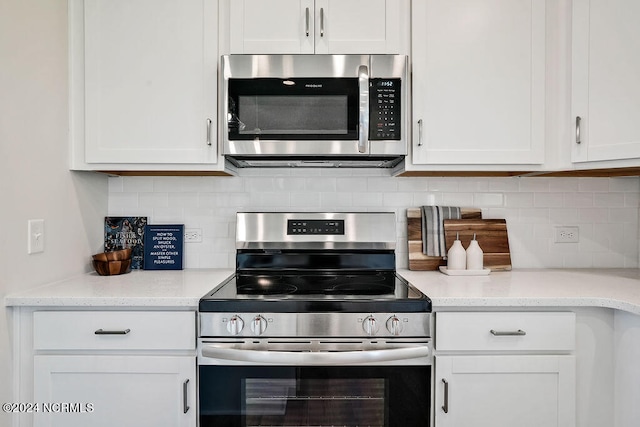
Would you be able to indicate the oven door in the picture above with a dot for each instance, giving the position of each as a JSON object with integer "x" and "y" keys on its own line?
{"x": 384, "y": 386}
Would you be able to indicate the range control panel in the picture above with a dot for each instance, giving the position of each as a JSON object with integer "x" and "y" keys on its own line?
{"x": 315, "y": 226}
{"x": 384, "y": 109}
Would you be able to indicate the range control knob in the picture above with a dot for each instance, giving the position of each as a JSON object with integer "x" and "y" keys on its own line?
{"x": 394, "y": 325}
{"x": 370, "y": 325}
{"x": 258, "y": 325}
{"x": 235, "y": 325}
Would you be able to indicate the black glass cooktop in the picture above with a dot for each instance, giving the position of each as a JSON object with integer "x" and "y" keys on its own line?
{"x": 381, "y": 291}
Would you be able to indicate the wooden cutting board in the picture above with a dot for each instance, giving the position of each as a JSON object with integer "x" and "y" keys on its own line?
{"x": 491, "y": 235}
{"x": 417, "y": 259}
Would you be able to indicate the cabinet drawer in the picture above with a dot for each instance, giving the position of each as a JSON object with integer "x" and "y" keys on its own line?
{"x": 505, "y": 331}
{"x": 114, "y": 330}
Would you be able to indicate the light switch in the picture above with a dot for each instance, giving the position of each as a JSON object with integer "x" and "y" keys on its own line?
{"x": 35, "y": 238}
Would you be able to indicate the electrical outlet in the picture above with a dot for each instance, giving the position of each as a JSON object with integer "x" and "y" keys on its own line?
{"x": 193, "y": 235}
{"x": 569, "y": 234}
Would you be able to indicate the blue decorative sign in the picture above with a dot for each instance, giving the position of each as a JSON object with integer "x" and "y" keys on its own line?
{"x": 163, "y": 247}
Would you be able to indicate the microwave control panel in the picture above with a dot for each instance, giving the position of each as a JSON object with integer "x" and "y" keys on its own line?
{"x": 384, "y": 109}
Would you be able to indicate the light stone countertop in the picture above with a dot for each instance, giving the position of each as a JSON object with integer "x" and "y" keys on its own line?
{"x": 178, "y": 289}
{"x": 182, "y": 289}
{"x": 609, "y": 288}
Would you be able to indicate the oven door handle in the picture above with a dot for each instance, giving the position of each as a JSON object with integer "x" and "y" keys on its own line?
{"x": 318, "y": 358}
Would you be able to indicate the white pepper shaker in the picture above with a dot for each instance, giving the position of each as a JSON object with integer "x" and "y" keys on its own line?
{"x": 456, "y": 256}
{"x": 474, "y": 255}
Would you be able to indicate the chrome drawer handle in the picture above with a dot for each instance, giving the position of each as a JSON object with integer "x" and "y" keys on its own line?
{"x": 185, "y": 399}
{"x": 103, "y": 332}
{"x": 519, "y": 332}
{"x": 578, "y": 138}
{"x": 306, "y": 19}
{"x": 445, "y": 406}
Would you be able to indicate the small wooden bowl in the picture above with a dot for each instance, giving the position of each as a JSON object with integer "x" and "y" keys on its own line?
{"x": 120, "y": 255}
{"x": 112, "y": 268}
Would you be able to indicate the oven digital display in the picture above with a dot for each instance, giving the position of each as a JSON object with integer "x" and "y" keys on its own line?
{"x": 315, "y": 227}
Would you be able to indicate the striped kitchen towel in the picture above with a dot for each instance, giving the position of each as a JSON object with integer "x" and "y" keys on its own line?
{"x": 433, "y": 243}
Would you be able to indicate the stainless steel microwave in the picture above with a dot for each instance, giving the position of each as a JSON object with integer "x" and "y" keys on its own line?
{"x": 314, "y": 110}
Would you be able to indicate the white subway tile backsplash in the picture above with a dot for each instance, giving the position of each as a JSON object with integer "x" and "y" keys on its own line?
{"x": 609, "y": 200}
{"x": 367, "y": 199}
{"x": 539, "y": 185}
{"x": 578, "y": 200}
{"x": 624, "y": 215}
{"x": 519, "y": 200}
{"x": 153, "y": 200}
{"x": 563, "y": 216}
{"x": 605, "y": 209}
{"x": 482, "y": 200}
{"x": 397, "y": 199}
{"x": 122, "y": 201}
{"x": 593, "y": 184}
{"x": 457, "y": 199}
{"x": 593, "y": 215}
{"x": 629, "y": 184}
{"x": 504, "y": 184}
{"x": 548, "y": 200}
{"x": 632, "y": 200}
{"x": 320, "y": 184}
{"x": 442, "y": 184}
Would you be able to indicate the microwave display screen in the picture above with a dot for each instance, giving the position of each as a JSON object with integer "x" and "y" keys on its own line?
{"x": 293, "y": 115}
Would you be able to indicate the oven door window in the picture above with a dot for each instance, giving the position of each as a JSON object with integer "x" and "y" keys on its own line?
{"x": 314, "y": 396}
{"x": 277, "y": 109}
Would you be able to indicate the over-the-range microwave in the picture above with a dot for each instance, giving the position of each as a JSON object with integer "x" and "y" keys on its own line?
{"x": 314, "y": 110}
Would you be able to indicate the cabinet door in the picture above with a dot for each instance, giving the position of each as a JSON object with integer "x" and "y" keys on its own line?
{"x": 478, "y": 81}
{"x": 606, "y": 87}
{"x": 123, "y": 391}
{"x": 360, "y": 26}
{"x": 272, "y": 26}
{"x": 150, "y": 81}
{"x": 505, "y": 391}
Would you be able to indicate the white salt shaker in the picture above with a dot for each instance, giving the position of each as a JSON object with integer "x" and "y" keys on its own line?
{"x": 456, "y": 256}
{"x": 474, "y": 255}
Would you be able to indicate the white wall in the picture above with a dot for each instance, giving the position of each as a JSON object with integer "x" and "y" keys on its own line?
{"x": 604, "y": 209}
{"x": 34, "y": 177}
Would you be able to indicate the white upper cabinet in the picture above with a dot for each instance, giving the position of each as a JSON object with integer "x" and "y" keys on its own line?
{"x": 605, "y": 78}
{"x": 478, "y": 82}
{"x": 320, "y": 26}
{"x": 144, "y": 81}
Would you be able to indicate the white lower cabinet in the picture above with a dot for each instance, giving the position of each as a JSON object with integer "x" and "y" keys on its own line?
{"x": 114, "y": 368}
{"x": 123, "y": 391}
{"x": 505, "y": 391}
{"x": 505, "y": 369}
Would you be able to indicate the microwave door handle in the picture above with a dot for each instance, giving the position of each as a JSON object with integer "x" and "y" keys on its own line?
{"x": 314, "y": 358}
{"x": 363, "y": 86}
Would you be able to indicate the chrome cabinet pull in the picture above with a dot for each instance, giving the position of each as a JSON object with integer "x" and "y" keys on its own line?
{"x": 445, "y": 406}
{"x": 578, "y": 138}
{"x": 519, "y": 332}
{"x": 120, "y": 332}
{"x": 363, "y": 88}
{"x": 185, "y": 406}
{"x": 307, "y": 21}
{"x": 208, "y": 131}
{"x": 420, "y": 133}
{"x": 322, "y": 22}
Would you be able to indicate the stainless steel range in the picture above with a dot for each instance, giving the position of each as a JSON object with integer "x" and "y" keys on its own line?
{"x": 315, "y": 328}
